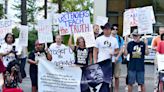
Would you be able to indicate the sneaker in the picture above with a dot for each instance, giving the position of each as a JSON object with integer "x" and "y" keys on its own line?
{"x": 139, "y": 88}
{"x": 126, "y": 89}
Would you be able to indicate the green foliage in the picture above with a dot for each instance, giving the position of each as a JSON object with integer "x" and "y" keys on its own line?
{"x": 15, "y": 31}
{"x": 31, "y": 39}
{"x": 31, "y": 10}
{"x": 76, "y": 5}
{"x": 1, "y": 11}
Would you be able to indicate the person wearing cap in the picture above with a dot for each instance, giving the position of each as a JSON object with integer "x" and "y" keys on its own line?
{"x": 106, "y": 46}
{"x": 33, "y": 61}
{"x": 136, "y": 70}
{"x": 116, "y": 65}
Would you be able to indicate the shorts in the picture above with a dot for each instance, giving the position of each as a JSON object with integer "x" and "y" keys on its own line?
{"x": 116, "y": 69}
{"x": 133, "y": 76}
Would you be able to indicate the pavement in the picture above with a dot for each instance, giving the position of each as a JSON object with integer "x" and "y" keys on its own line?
{"x": 149, "y": 79}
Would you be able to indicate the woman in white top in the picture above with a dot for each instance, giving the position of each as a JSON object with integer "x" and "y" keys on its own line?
{"x": 7, "y": 50}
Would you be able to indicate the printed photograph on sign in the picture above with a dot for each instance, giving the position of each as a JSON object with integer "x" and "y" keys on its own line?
{"x": 96, "y": 77}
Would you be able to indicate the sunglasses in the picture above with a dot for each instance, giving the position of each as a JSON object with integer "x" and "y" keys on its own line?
{"x": 115, "y": 29}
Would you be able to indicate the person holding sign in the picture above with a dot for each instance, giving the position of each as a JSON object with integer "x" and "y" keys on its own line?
{"x": 136, "y": 70}
{"x": 33, "y": 61}
{"x": 57, "y": 45}
{"x": 106, "y": 47}
{"x": 82, "y": 54}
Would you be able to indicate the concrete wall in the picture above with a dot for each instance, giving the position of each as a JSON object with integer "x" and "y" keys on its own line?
{"x": 99, "y": 8}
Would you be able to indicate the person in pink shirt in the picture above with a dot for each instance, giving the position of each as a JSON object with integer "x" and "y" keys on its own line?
{"x": 160, "y": 50}
{"x": 160, "y": 47}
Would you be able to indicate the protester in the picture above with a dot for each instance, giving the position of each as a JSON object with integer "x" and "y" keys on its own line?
{"x": 7, "y": 50}
{"x": 116, "y": 65}
{"x": 155, "y": 43}
{"x": 106, "y": 47}
{"x": 95, "y": 75}
{"x": 137, "y": 50}
{"x": 22, "y": 57}
{"x": 160, "y": 50}
{"x": 96, "y": 30}
{"x": 33, "y": 61}
{"x": 82, "y": 53}
{"x": 58, "y": 44}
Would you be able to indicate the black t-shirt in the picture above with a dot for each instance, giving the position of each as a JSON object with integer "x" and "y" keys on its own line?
{"x": 81, "y": 56}
{"x": 137, "y": 54}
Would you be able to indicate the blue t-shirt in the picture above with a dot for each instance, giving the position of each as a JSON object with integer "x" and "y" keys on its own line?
{"x": 137, "y": 54}
{"x": 120, "y": 43}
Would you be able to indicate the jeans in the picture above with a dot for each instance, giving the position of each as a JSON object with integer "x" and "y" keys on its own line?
{"x": 22, "y": 67}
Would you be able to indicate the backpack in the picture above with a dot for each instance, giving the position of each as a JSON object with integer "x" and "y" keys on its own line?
{"x": 119, "y": 43}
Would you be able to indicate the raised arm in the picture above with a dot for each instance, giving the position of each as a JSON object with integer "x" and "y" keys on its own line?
{"x": 70, "y": 43}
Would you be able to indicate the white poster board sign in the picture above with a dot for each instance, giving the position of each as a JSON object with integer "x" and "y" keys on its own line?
{"x": 62, "y": 56}
{"x": 73, "y": 21}
{"x": 45, "y": 31}
{"x": 23, "y": 36}
{"x": 5, "y": 27}
{"x": 141, "y": 17}
{"x": 160, "y": 62}
{"x": 52, "y": 78}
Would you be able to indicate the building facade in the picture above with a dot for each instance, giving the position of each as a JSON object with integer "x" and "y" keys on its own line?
{"x": 113, "y": 9}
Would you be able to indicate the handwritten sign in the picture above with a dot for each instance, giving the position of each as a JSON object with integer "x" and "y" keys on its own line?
{"x": 135, "y": 16}
{"x": 5, "y": 27}
{"x": 62, "y": 56}
{"x": 71, "y": 22}
{"x": 144, "y": 22}
{"x": 23, "y": 36}
{"x": 45, "y": 31}
{"x": 88, "y": 36}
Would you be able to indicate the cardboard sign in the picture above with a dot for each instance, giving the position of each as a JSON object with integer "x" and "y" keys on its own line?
{"x": 23, "y": 36}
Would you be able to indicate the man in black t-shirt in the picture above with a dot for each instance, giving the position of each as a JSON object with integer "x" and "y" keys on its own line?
{"x": 136, "y": 70}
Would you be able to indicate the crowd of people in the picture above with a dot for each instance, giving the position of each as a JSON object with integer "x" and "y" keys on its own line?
{"x": 110, "y": 47}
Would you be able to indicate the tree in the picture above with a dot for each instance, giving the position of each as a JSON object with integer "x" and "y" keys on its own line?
{"x": 1, "y": 11}
{"x": 32, "y": 9}
{"x": 74, "y": 5}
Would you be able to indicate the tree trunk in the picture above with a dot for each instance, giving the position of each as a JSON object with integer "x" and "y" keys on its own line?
{"x": 23, "y": 12}
{"x": 45, "y": 9}
{"x": 60, "y": 6}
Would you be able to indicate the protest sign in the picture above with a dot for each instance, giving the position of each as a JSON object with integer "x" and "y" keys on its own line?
{"x": 151, "y": 12}
{"x": 160, "y": 61}
{"x": 5, "y": 27}
{"x": 23, "y": 36}
{"x": 52, "y": 78}
{"x": 133, "y": 17}
{"x": 88, "y": 37}
{"x": 126, "y": 21}
{"x": 62, "y": 56}
{"x": 144, "y": 22}
{"x": 72, "y": 22}
{"x": 45, "y": 31}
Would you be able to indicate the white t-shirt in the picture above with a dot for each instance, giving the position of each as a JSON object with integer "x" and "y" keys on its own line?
{"x": 106, "y": 45}
{"x": 53, "y": 47}
{"x": 8, "y": 58}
